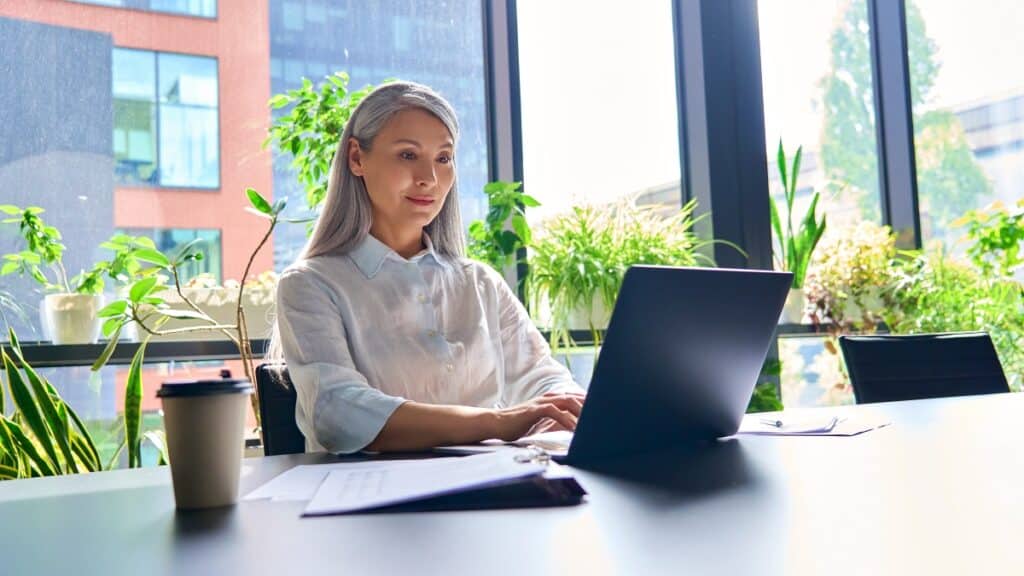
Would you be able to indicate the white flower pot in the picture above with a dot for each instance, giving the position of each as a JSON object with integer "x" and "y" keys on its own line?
{"x": 596, "y": 316}
{"x": 71, "y": 318}
{"x": 220, "y": 304}
{"x": 796, "y": 305}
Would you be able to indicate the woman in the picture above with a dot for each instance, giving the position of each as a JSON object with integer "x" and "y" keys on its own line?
{"x": 393, "y": 340}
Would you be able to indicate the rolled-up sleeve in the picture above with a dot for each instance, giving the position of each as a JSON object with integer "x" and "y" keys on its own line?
{"x": 530, "y": 369}
{"x": 336, "y": 406}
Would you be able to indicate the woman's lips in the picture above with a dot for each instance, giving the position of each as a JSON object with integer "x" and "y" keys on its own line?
{"x": 420, "y": 200}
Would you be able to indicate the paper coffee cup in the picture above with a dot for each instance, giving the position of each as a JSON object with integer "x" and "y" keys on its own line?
{"x": 205, "y": 425}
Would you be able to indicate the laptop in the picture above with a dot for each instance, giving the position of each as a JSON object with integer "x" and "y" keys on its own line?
{"x": 678, "y": 364}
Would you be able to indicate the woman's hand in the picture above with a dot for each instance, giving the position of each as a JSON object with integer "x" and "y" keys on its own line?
{"x": 550, "y": 411}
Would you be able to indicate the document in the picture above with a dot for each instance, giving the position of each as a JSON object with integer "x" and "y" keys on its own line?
{"x": 810, "y": 424}
{"x": 301, "y": 482}
{"x": 355, "y": 488}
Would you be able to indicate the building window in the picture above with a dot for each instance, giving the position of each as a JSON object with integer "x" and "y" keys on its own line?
{"x": 170, "y": 240}
{"x": 165, "y": 119}
{"x": 200, "y": 8}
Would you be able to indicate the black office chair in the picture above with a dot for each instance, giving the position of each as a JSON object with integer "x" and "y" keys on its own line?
{"x": 891, "y": 368}
{"x": 277, "y": 411}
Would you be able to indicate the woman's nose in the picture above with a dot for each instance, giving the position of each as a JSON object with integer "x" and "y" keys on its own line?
{"x": 426, "y": 176}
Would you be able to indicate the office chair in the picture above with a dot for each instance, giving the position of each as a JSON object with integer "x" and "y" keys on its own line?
{"x": 281, "y": 434}
{"x": 891, "y": 368}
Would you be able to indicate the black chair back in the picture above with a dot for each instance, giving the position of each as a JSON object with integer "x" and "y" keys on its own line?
{"x": 277, "y": 411}
{"x": 891, "y": 368}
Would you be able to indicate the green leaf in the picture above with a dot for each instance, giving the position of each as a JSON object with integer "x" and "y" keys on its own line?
{"x": 108, "y": 350}
{"x": 159, "y": 441}
{"x": 152, "y": 256}
{"x": 9, "y": 268}
{"x": 528, "y": 201}
{"x": 81, "y": 450}
{"x": 27, "y": 447}
{"x": 780, "y": 159}
{"x": 279, "y": 101}
{"x": 258, "y": 202}
{"x": 142, "y": 288}
{"x": 10, "y": 209}
{"x": 52, "y": 409}
{"x": 133, "y": 407}
{"x": 30, "y": 411}
{"x": 116, "y": 308}
{"x": 795, "y": 171}
{"x": 83, "y": 434}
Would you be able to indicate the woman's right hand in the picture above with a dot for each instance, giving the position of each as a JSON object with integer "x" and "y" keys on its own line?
{"x": 515, "y": 422}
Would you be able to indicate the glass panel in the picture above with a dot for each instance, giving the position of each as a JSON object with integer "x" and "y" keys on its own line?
{"x": 134, "y": 75}
{"x": 578, "y": 72}
{"x": 812, "y": 374}
{"x": 818, "y": 94}
{"x": 188, "y": 80}
{"x": 135, "y": 141}
{"x": 374, "y": 41}
{"x": 968, "y": 105}
{"x": 188, "y": 147}
{"x": 170, "y": 241}
{"x": 203, "y": 8}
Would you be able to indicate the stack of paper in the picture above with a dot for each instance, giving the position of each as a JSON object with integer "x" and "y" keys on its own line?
{"x": 818, "y": 424}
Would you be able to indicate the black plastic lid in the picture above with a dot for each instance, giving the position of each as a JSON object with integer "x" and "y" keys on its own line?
{"x": 183, "y": 388}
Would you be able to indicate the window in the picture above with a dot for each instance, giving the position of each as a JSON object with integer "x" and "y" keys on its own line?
{"x": 440, "y": 45}
{"x": 967, "y": 90}
{"x": 171, "y": 240}
{"x": 818, "y": 94}
{"x": 165, "y": 119}
{"x": 599, "y": 111}
{"x": 201, "y": 8}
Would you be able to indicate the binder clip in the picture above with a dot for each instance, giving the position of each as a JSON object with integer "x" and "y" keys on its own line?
{"x": 533, "y": 454}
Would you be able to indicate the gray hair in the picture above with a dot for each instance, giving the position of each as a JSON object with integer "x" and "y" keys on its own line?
{"x": 345, "y": 219}
{"x": 347, "y": 215}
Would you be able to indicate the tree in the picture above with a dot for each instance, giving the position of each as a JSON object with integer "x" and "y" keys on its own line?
{"x": 948, "y": 177}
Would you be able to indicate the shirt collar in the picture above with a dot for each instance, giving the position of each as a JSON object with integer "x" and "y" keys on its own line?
{"x": 371, "y": 253}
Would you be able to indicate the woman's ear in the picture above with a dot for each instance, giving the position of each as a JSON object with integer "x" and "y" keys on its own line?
{"x": 355, "y": 157}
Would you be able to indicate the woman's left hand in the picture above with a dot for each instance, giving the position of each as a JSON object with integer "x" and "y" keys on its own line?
{"x": 552, "y": 425}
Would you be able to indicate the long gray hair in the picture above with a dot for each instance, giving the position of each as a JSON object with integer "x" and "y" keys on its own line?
{"x": 347, "y": 215}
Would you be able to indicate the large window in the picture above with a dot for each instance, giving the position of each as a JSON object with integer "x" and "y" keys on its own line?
{"x": 202, "y": 8}
{"x": 438, "y": 44}
{"x": 968, "y": 108}
{"x": 599, "y": 109}
{"x": 165, "y": 119}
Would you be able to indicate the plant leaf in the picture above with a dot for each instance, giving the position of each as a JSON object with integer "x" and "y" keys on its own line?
{"x": 142, "y": 288}
{"x": 115, "y": 308}
{"x": 159, "y": 441}
{"x": 133, "y": 407}
{"x": 108, "y": 350}
{"x": 29, "y": 449}
{"x": 52, "y": 410}
{"x": 152, "y": 256}
{"x": 29, "y": 410}
{"x": 258, "y": 202}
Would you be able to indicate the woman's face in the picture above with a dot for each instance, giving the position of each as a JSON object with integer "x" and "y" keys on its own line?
{"x": 409, "y": 171}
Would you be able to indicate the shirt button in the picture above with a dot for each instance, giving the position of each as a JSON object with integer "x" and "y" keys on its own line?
{"x": 450, "y": 367}
{"x": 421, "y": 297}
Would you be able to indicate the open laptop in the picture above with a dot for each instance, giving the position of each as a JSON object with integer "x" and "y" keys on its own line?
{"x": 679, "y": 361}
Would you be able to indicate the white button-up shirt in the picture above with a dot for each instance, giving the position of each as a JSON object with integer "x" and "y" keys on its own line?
{"x": 365, "y": 331}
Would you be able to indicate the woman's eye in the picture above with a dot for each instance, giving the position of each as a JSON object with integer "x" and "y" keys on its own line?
{"x": 444, "y": 159}
{"x": 407, "y": 155}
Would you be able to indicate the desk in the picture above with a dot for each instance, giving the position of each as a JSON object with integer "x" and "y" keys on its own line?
{"x": 939, "y": 491}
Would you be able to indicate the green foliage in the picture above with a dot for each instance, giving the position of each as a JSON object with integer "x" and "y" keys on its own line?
{"x": 43, "y": 248}
{"x": 583, "y": 255}
{"x": 311, "y": 130}
{"x": 848, "y": 284}
{"x": 995, "y": 234}
{"x": 144, "y": 306}
{"x": 496, "y": 239}
{"x": 795, "y": 247}
{"x": 949, "y": 178}
{"x": 42, "y": 436}
{"x": 766, "y": 393}
{"x": 934, "y": 293}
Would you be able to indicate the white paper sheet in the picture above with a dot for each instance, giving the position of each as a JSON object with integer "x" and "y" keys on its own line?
{"x": 301, "y": 482}
{"x": 350, "y": 489}
{"x": 796, "y": 424}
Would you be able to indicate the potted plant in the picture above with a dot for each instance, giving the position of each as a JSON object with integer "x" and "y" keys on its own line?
{"x": 70, "y": 305}
{"x": 220, "y": 302}
{"x": 795, "y": 246}
{"x": 578, "y": 260}
{"x": 497, "y": 239}
{"x": 849, "y": 283}
{"x": 146, "y": 307}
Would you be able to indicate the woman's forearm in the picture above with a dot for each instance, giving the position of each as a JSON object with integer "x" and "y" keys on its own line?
{"x": 416, "y": 426}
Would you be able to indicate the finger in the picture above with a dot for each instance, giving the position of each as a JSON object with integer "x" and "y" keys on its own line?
{"x": 569, "y": 403}
{"x": 563, "y": 417}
